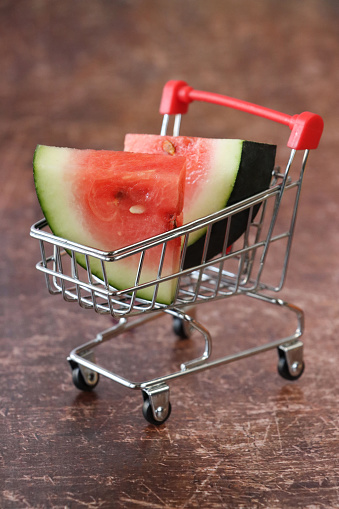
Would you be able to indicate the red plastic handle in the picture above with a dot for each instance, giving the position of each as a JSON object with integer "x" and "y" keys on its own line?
{"x": 306, "y": 128}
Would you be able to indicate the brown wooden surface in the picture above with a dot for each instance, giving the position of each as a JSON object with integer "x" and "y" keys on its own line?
{"x": 83, "y": 74}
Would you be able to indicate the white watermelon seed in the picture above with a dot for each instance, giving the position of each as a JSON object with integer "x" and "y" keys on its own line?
{"x": 137, "y": 209}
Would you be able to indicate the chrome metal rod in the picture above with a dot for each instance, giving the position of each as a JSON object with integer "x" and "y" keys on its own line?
{"x": 164, "y": 125}
{"x": 176, "y": 126}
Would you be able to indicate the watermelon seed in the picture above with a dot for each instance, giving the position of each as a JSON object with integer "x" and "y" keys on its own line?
{"x": 137, "y": 209}
{"x": 168, "y": 147}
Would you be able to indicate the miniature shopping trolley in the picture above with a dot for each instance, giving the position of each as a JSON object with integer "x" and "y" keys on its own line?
{"x": 242, "y": 269}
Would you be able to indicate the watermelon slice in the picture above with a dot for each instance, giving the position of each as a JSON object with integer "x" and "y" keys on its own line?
{"x": 219, "y": 172}
{"x": 109, "y": 200}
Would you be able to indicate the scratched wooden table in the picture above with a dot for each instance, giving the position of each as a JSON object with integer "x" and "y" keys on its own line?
{"x": 82, "y": 74}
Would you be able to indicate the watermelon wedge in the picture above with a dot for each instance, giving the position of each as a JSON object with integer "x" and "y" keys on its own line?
{"x": 109, "y": 200}
{"x": 219, "y": 172}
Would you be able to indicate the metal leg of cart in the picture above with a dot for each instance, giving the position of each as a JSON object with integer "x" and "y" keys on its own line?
{"x": 156, "y": 393}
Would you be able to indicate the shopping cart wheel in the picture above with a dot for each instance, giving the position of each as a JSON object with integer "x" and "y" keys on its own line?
{"x": 291, "y": 364}
{"x": 181, "y": 328}
{"x": 148, "y": 413}
{"x": 85, "y": 380}
{"x": 157, "y": 406}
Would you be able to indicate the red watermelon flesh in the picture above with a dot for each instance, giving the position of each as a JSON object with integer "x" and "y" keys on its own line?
{"x": 109, "y": 200}
{"x": 211, "y": 169}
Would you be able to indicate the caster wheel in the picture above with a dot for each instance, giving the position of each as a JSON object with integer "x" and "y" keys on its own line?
{"x": 284, "y": 371}
{"x": 148, "y": 413}
{"x": 81, "y": 382}
{"x": 181, "y": 328}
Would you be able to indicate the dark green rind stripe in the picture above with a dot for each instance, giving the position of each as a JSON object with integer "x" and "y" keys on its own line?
{"x": 255, "y": 171}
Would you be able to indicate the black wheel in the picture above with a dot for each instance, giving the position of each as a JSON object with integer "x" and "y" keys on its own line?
{"x": 284, "y": 371}
{"x": 80, "y": 381}
{"x": 148, "y": 413}
{"x": 181, "y": 328}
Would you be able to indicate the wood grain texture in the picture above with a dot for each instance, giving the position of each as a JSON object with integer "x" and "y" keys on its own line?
{"x": 83, "y": 74}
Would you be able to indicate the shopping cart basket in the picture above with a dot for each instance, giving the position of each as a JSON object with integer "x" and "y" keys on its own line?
{"x": 237, "y": 270}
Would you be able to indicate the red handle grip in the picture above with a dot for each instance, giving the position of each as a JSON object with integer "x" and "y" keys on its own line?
{"x": 306, "y": 128}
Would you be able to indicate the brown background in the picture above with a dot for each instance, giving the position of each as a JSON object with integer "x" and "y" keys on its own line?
{"x": 82, "y": 74}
